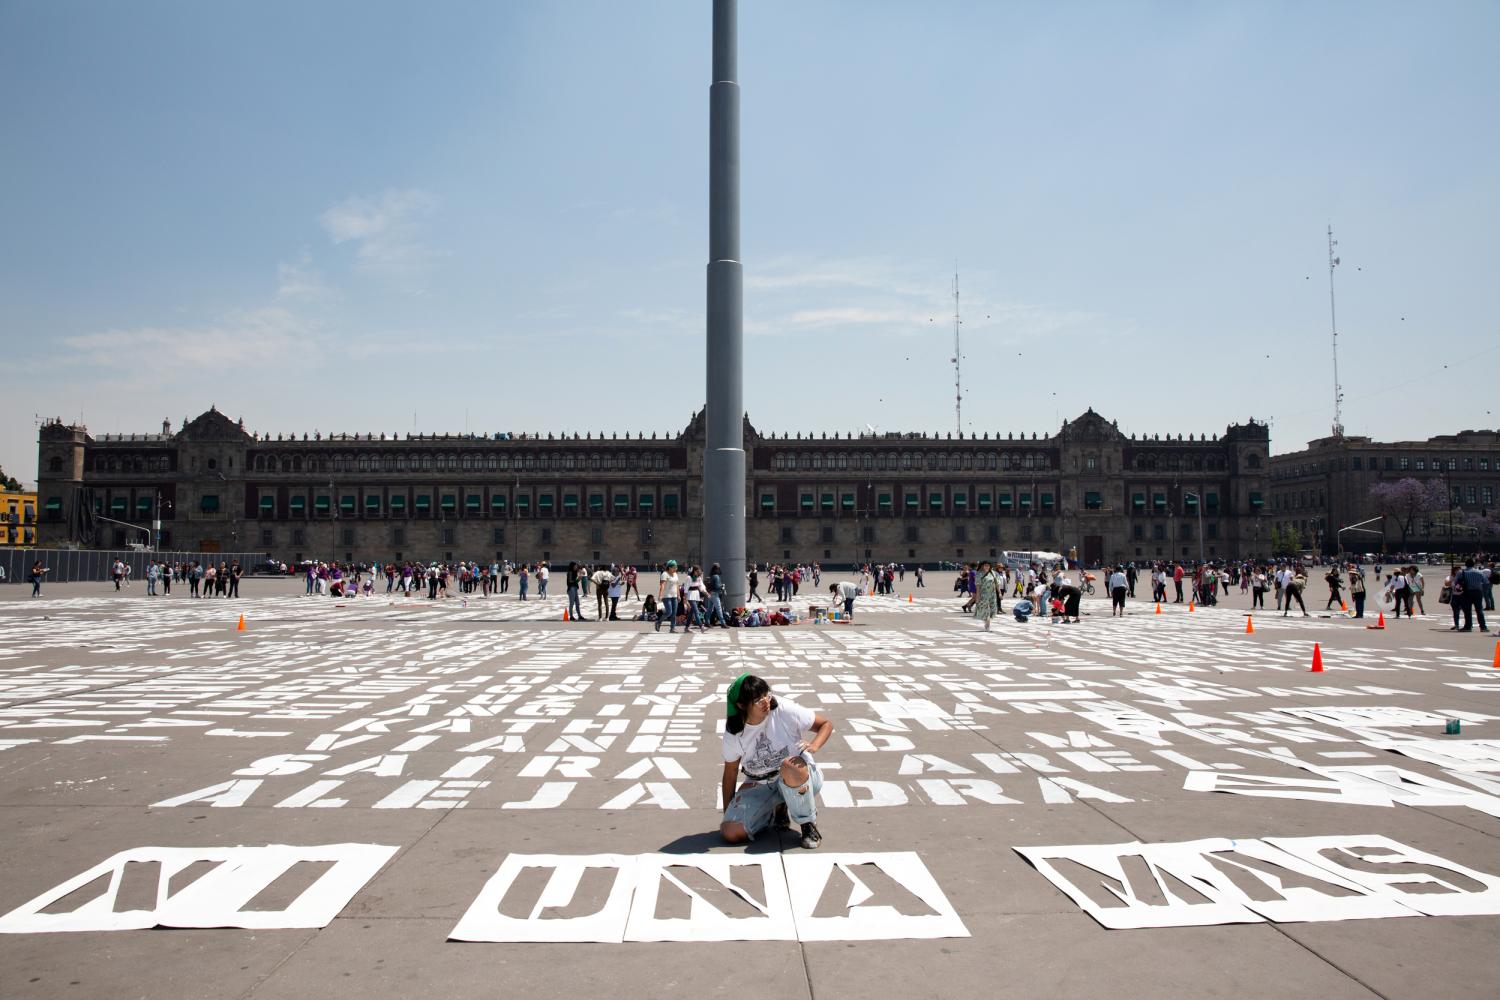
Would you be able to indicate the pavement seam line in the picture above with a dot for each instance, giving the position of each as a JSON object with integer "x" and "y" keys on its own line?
{"x": 1326, "y": 960}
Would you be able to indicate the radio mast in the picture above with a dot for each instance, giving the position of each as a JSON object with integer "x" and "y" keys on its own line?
{"x": 1333, "y": 323}
{"x": 958, "y": 375}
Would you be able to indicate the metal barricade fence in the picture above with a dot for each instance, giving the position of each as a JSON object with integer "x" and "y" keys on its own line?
{"x": 94, "y": 565}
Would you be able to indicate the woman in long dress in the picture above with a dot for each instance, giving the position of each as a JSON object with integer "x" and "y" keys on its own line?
{"x": 987, "y": 591}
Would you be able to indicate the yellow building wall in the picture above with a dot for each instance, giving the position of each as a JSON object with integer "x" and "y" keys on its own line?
{"x": 18, "y": 516}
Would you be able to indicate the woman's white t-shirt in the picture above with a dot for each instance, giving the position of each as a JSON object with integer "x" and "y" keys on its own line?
{"x": 761, "y": 748}
{"x": 669, "y": 582}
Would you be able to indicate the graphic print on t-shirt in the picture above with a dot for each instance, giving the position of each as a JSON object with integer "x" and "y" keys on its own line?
{"x": 763, "y": 758}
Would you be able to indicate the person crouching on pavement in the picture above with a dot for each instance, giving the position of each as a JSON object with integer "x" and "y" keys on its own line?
{"x": 766, "y": 739}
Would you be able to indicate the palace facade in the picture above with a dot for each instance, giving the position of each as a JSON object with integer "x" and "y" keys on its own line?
{"x": 1325, "y": 487}
{"x": 908, "y": 497}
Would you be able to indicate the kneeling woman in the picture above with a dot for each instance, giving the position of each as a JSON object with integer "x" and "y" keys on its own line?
{"x": 767, "y": 740}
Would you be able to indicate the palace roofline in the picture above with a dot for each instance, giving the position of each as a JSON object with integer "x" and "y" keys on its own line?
{"x": 213, "y": 425}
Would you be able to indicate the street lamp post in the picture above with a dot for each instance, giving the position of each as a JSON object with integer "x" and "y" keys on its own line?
{"x": 1198, "y": 503}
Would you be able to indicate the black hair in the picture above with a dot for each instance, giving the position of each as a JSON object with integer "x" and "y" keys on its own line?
{"x": 751, "y": 689}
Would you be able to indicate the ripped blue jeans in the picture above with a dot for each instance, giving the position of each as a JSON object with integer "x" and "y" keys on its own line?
{"x": 755, "y": 807}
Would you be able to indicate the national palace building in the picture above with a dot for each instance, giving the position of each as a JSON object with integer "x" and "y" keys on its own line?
{"x": 907, "y": 497}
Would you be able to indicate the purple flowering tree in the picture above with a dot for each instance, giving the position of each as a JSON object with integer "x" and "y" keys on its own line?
{"x": 1406, "y": 500}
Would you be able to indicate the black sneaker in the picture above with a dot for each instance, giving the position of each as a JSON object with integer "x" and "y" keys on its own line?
{"x": 811, "y": 838}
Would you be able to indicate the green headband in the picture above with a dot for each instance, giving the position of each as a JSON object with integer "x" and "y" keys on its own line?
{"x": 732, "y": 707}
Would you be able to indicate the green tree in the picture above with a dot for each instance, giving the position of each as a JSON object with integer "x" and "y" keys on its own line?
{"x": 9, "y": 482}
{"x": 1286, "y": 541}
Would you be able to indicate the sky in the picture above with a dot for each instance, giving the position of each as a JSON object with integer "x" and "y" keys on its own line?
{"x": 452, "y": 216}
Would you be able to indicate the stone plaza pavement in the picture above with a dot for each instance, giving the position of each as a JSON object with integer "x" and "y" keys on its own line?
{"x": 1165, "y": 773}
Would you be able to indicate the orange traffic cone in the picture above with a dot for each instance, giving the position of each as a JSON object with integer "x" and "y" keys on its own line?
{"x": 1249, "y": 625}
{"x": 1496, "y": 664}
{"x": 1317, "y": 665}
{"x": 908, "y": 599}
{"x": 565, "y": 615}
{"x": 1343, "y": 608}
{"x": 241, "y": 626}
{"x": 1380, "y": 621}
{"x": 1190, "y": 605}
{"x": 1158, "y": 607}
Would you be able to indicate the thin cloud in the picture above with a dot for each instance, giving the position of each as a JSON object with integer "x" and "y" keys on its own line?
{"x": 386, "y": 231}
{"x": 255, "y": 338}
{"x": 300, "y": 280}
{"x": 899, "y": 298}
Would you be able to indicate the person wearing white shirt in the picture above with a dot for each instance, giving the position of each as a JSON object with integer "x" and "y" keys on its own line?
{"x": 1118, "y": 586}
{"x": 766, "y": 740}
{"x": 666, "y": 595}
{"x": 845, "y": 592}
{"x": 1396, "y": 587}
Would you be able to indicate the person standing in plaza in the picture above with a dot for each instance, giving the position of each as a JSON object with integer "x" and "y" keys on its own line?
{"x": 754, "y": 583}
{"x": 991, "y": 592}
{"x": 542, "y": 572}
{"x": 616, "y": 591}
{"x": 921, "y": 580}
{"x": 666, "y": 596}
{"x": 1119, "y": 586}
{"x": 571, "y": 583}
{"x": 1177, "y": 580}
{"x": 1414, "y": 587}
{"x": 714, "y": 585}
{"x": 600, "y": 578}
{"x": 153, "y": 573}
{"x": 696, "y": 593}
{"x": 1357, "y": 590}
{"x": 631, "y": 577}
{"x": 523, "y": 577}
{"x": 1471, "y": 581}
{"x": 1396, "y": 588}
{"x": 1335, "y": 587}
{"x": 236, "y": 571}
{"x": 37, "y": 572}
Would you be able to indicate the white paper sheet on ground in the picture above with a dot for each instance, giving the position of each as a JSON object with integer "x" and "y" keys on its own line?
{"x": 809, "y": 876}
{"x": 1381, "y": 716}
{"x": 1453, "y": 898}
{"x": 1176, "y": 910}
{"x": 1271, "y": 787}
{"x": 483, "y": 921}
{"x": 214, "y": 899}
{"x": 1452, "y": 755}
{"x": 1297, "y": 903}
{"x": 1201, "y": 868}
{"x": 765, "y": 894}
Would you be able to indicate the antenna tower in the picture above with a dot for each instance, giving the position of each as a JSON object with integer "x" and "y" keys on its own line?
{"x": 958, "y": 374}
{"x": 1333, "y": 323}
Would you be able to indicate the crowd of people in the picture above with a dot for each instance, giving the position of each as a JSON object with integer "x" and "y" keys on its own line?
{"x": 1055, "y": 592}
{"x": 694, "y": 599}
{"x": 203, "y": 579}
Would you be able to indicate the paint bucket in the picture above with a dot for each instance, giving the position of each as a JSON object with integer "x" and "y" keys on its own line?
{"x": 1451, "y": 728}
